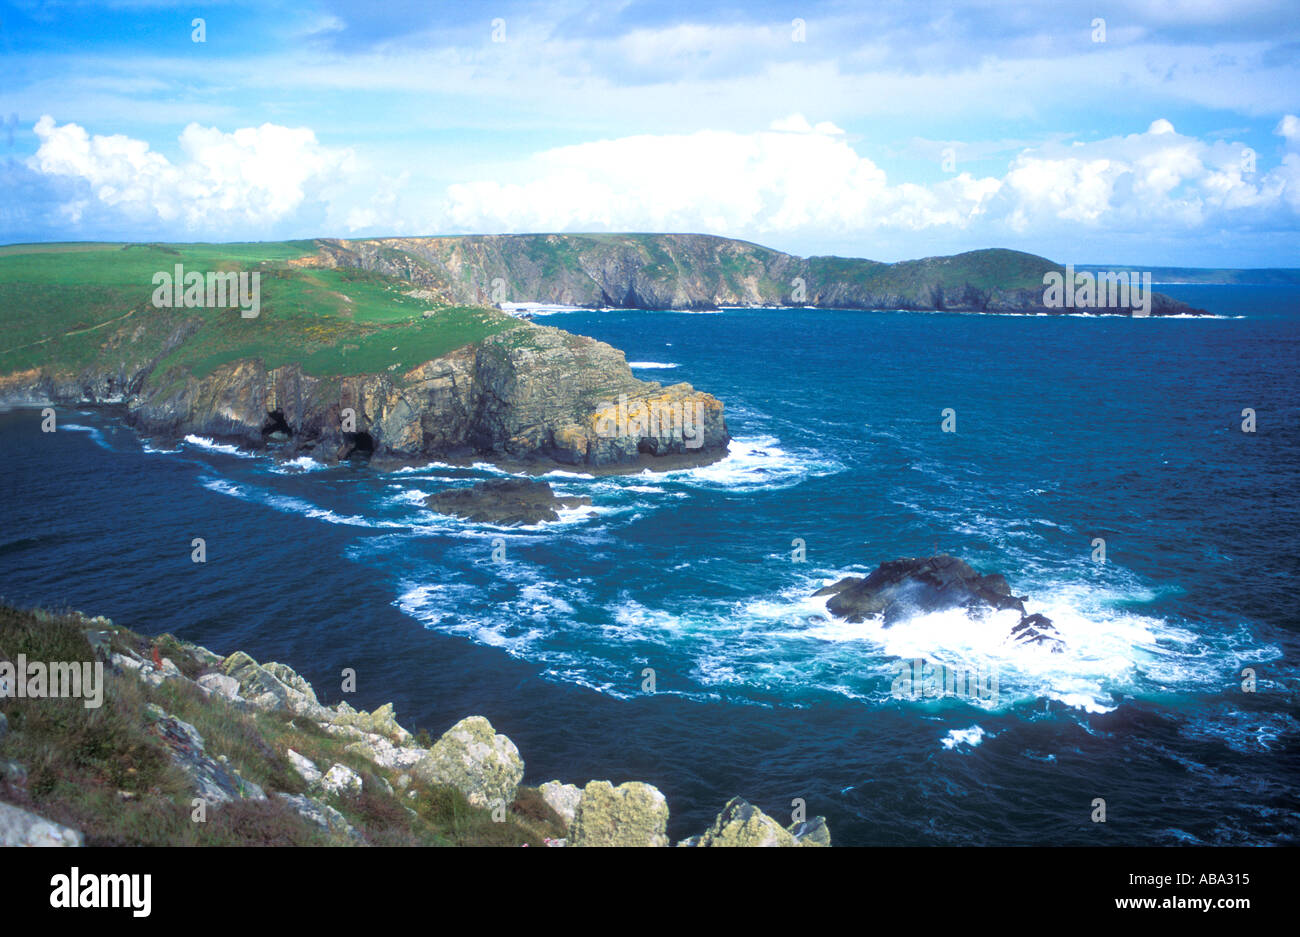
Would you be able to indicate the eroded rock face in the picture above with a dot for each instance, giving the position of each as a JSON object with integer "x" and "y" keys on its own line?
{"x": 473, "y": 758}
{"x": 632, "y": 814}
{"x": 531, "y": 393}
{"x": 505, "y": 501}
{"x": 902, "y": 588}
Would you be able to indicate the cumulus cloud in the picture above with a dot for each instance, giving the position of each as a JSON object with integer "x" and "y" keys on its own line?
{"x": 797, "y": 180}
{"x": 799, "y": 177}
{"x": 246, "y": 179}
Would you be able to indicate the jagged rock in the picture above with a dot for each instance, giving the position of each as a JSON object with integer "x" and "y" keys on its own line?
{"x": 146, "y": 670}
{"x": 383, "y": 722}
{"x": 632, "y": 814}
{"x": 4, "y": 726}
{"x": 305, "y": 767}
{"x": 812, "y": 832}
{"x": 20, "y": 827}
{"x": 340, "y": 779}
{"x": 384, "y": 753}
{"x": 323, "y": 815}
{"x": 273, "y": 686}
{"x": 221, "y": 685}
{"x": 899, "y": 589}
{"x": 743, "y": 824}
{"x": 478, "y": 762}
{"x": 505, "y": 501}
{"x": 213, "y": 780}
{"x": 562, "y": 798}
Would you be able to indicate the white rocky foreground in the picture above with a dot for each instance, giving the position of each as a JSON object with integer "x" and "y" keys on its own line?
{"x": 470, "y": 757}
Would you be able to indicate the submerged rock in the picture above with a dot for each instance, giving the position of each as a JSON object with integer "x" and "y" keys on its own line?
{"x": 504, "y": 501}
{"x": 632, "y": 814}
{"x": 899, "y": 589}
{"x": 478, "y": 762}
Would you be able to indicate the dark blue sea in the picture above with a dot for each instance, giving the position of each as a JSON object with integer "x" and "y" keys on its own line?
{"x": 1068, "y": 429}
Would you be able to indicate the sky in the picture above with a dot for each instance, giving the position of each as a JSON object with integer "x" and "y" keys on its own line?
{"x": 1135, "y": 132}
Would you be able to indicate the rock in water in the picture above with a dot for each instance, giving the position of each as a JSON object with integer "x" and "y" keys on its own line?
{"x": 474, "y": 759}
{"x": 504, "y": 501}
{"x": 632, "y": 814}
{"x": 902, "y": 588}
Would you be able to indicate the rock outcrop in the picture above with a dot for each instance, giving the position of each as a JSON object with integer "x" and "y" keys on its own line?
{"x": 505, "y": 501}
{"x": 632, "y": 814}
{"x": 899, "y": 589}
{"x": 473, "y": 758}
{"x": 259, "y": 720}
{"x": 741, "y": 824}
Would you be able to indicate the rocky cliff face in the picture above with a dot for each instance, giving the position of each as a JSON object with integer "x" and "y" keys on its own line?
{"x": 694, "y": 271}
{"x": 531, "y": 393}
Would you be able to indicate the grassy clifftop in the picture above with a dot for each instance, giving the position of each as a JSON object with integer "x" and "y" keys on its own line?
{"x": 71, "y": 306}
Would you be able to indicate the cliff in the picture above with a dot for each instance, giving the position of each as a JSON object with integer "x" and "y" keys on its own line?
{"x": 172, "y": 744}
{"x": 695, "y": 271}
{"x": 334, "y": 364}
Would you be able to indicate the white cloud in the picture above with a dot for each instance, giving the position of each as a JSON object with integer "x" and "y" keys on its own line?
{"x": 226, "y": 181}
{"x": 797, "y": 178}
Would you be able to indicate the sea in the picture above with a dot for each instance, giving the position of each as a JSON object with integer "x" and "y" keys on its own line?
{"x": 1134, "y": 478}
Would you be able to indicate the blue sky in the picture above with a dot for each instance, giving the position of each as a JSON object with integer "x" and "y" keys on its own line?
{"x": 1092, "y": 132}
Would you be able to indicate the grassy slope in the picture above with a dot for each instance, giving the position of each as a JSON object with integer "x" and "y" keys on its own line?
{"x": 103, "y": 772}
{"x": 61, "y": 303}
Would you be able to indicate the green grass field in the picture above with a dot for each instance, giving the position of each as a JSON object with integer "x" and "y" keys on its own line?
{"x": 63, "y": 305}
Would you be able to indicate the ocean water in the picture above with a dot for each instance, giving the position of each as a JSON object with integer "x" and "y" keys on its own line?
{"x": 1068, "y": 429}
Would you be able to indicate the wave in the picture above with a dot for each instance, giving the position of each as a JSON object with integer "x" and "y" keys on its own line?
{"x": 211, "y": 445}
{"x": 650, "y": 365}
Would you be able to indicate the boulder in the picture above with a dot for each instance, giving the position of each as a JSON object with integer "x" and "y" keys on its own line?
{"x": 323, "y": 815}
{"x": 504, "y": 501}
{"x": 474, "y": 759}
{"x": 20, "y": 827}
{"x": 273, "y": 686}
{"x": 220, "y": 685}
{"x": 743, "y": 824}
{"x": 812, "y": 832}
{"x": 899, "y": 589}
{"x": 305, "y": 767}
{"x": 340, "y": 779}
{"x": 562, "y": 798}
{"x": 632, "y": 814}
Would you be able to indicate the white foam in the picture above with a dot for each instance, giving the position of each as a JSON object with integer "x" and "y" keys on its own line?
{"x": 298, "y": 466}
{"x": 969, "y": 737}
{"x": 650, "y": 365}
{"x": 206, "y": 442}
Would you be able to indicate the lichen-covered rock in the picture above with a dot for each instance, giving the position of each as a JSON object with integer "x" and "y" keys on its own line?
{"x": 383, "y": 721}
{"x": 20, "y": 827}
{"x": 221, "y": 685}
{"x": 632, "y": 814}
{"x": 562, "y": 798}
{"x": 812, "y": 832}
{"x": 741, "y": 824}
{"x": 323, "y": 815}
{"x": 340, "y": 779}
{"x": 305, "y": 767}
{"x": 478, "y": 762}
{"x": 273, "y": 686}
